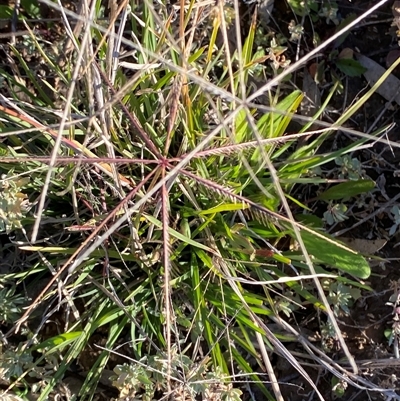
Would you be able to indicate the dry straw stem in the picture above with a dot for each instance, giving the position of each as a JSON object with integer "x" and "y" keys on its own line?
{"x": 57, "y": 144}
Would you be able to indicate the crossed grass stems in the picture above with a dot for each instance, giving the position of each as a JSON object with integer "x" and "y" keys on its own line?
{"x": 179, "y": 171}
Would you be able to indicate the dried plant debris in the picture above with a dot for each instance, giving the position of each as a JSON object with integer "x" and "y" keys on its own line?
{"x": 388, "y": 88}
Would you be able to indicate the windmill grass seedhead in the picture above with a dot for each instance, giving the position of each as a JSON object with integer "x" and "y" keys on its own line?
{"x": 189, "y": 257}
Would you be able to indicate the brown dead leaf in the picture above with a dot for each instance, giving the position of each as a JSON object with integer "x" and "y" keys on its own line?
{"x": 389, "y": 89}
{"x": 364, "y": 246}
{"x": 313, "y": 69}
{"x": 391, "y": 57}
{"x": 346, "y": 53}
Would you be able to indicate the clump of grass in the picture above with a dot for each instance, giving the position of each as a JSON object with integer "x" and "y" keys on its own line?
{"x": 164, "y": 204}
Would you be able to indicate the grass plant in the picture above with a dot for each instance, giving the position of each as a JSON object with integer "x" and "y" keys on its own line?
{"x": 158, "y": 210}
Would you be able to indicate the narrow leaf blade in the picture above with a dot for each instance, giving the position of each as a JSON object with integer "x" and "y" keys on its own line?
{"x": 347, "y": 189}
{"x": 328, "y": 252}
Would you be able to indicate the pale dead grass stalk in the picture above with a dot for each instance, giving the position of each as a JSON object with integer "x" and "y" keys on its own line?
{"x": 64, "y": 118}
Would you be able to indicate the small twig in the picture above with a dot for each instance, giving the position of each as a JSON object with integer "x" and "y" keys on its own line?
{"x": 117, "y": 46}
